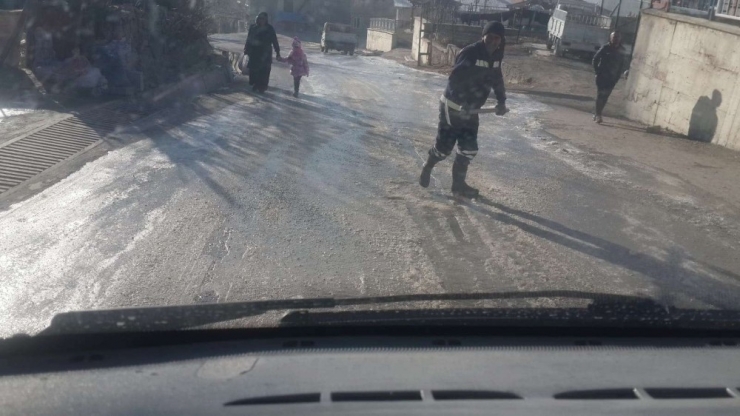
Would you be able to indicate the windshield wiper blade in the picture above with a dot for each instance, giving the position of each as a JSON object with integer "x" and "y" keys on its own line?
{"x": 190, "y": 316}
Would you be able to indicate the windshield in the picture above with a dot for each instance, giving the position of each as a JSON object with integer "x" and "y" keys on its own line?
{"x": 334, "y": 27}
{"x": 247, "y": 163}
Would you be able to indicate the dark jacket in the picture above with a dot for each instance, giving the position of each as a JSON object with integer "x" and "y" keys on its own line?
{"x": 475, "y": 73}
{"x": 609, "y": 65}
{"x": 260, "y": 42}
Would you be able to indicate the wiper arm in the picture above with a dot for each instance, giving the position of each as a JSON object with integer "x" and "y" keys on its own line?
{"x": 189, "y": 316}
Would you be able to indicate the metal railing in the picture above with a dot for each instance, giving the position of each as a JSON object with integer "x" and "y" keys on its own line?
{"x": 583, "y": 19}
{"x": 729, "y": 9}
{"x": 707, "y": 9}
{"x": 484, "y": 10}
{"x": 388, "y": 25}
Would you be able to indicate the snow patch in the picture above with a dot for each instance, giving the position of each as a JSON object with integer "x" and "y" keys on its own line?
{"x": 59, "y": 229}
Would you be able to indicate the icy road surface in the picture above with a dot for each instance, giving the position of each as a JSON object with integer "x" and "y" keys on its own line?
{"x": 272, "y": 197}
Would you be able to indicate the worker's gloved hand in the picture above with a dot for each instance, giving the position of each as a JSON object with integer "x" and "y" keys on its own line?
{"x": 501, "y": 109}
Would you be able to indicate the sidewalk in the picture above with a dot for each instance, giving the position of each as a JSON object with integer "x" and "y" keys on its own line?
{"x": 710, "y": 168}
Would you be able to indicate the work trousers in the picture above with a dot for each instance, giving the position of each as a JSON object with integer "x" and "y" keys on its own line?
{"x": 456, "y": 128}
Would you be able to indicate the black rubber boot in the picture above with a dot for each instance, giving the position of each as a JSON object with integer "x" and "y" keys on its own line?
{"x": 426, "y": 170}
{"x": 459, "y": 172}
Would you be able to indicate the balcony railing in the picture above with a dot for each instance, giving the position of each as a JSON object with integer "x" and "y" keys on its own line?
{"x": 471, "y": 8}
{"x": 729, "y": 8}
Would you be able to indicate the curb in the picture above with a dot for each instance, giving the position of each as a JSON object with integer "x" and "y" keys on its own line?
{"x": 153, "y": 101}
{"x": 186, "y": 89}
{"x": 170, "y": 95}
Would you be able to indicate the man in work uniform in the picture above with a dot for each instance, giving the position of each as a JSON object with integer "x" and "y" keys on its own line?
{"x": 608, "y": 64}
{"x": 477, "y": 70}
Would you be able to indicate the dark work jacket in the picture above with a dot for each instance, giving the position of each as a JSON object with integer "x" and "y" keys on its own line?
{"x": 260, "y": 42}
{"x": 475, "y": 73}
{"x": 608, "y": 64}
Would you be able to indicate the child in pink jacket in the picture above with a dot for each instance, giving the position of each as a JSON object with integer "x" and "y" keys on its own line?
{"x": 298, "y": 65}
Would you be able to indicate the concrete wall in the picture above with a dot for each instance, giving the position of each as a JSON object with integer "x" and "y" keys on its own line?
{"x": 382, "y": 41}
{"x": 684, "y": 75}
{"x": 441, "y": 54}
{"x": 419, "y": 45}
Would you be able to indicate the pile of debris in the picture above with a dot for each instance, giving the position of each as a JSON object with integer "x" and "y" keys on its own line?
{"x": 116, "y": 47}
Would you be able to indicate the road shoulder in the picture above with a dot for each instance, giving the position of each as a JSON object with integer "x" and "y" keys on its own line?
{"x": 708, "y": 167}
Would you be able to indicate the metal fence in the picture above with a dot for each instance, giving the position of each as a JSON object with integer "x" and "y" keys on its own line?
{"x": 388, "y": 25}
{"x": 709, "y": 9}
{"x": 471, "y": 8}
{"x": 729, "y": 9}
{"x": 583, "y": 19}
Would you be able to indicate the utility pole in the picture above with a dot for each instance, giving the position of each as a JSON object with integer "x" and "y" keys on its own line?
{"x": 619, "y": 10}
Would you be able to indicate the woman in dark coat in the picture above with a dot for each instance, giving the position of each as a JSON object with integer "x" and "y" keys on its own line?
{"x": 260, "y": 41}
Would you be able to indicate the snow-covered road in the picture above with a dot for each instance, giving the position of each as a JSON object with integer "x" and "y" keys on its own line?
{"x": 272, "y": 197}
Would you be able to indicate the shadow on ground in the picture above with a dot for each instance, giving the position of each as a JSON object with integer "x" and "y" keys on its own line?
{"x": 255, "y": 131}
{"x": 671, "y": 275}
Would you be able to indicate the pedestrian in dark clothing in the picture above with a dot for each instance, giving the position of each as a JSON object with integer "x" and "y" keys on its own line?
{"x": 608, "y": 64}
{"x": 261, "y": 39}
{"x": 477, "y": 70}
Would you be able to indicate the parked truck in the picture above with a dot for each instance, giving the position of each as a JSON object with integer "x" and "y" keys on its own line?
{"x": 339, "y": 37}
{"x": 576, "y": 30}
